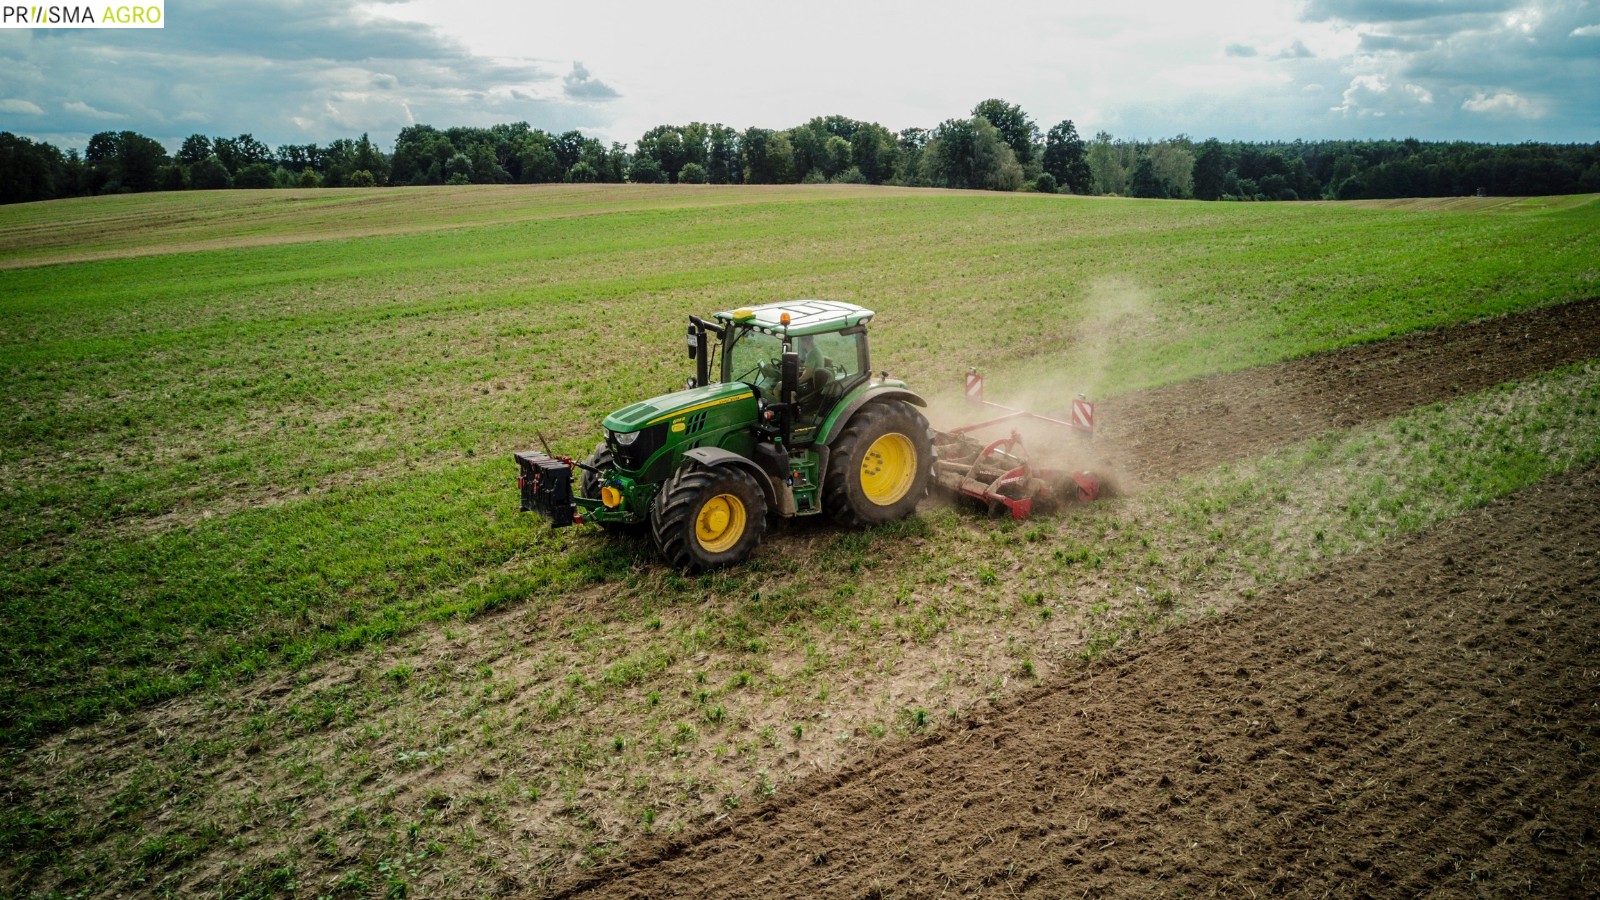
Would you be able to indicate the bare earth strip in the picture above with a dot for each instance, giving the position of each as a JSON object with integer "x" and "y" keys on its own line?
{"x": 1193, "y": 426}
{"x": 1420, "y": 720}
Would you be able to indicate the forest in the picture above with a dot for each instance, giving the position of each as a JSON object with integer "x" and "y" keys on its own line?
{"x": 997, "y": 147}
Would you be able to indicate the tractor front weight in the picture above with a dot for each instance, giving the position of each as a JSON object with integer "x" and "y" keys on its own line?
{"x": 546, "y": 485}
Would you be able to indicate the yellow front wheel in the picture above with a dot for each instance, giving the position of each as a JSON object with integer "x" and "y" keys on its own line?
{"x": 706, "y": 518}
{"x": 720, "y": 524}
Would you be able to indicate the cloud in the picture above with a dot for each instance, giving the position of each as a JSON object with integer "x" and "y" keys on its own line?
{"x": 1295, "y": 50}
{"x": 580, "y": 85}
{"x": 84, "y": 109}
{"x": 1495, "y": 66}
{"x": 287, "y": 71}
{"x": 298, "y": 71}
{"x": 1373, "y": 95}
{"x": 1501, "y": 103}
{"x": 1389, "y": 43}
{"x": 1360, "y": 93}
{"x": 1400, "y": 10}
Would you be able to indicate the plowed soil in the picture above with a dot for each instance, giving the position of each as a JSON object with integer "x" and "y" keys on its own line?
{"x": 1420, "y": 720}
{"x": 1197, "y": 425}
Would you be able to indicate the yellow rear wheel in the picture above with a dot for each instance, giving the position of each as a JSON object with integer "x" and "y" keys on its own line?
{"x": 720, "y": 524}
{"x": 879, "y": 464}
{"x": 888, "y": 469}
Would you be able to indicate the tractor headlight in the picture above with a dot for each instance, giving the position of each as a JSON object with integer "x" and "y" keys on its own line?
{"x": 632, "y": 449}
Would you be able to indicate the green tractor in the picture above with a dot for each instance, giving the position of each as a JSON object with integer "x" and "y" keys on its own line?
{"x": 783, "y": 418}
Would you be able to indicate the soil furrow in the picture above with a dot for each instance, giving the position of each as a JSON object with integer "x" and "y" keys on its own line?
{"x": 1181, "y": 429}
{"x": 1418, "y": 720}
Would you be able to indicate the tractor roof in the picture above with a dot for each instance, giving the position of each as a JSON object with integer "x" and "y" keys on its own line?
{"x": 805, "y": 316}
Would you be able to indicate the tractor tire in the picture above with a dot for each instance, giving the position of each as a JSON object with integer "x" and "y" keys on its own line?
{"x": 601, "y": 458}
{"x": 589, "y": 486}
{"x": 880, "y": 465}
{"x": 708, "y": 518}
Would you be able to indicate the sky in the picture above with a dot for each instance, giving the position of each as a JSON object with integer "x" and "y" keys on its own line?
{"x": 310, "y": 71}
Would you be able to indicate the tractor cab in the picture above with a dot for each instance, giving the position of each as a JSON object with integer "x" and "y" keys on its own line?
{"x": 801, "y": 357}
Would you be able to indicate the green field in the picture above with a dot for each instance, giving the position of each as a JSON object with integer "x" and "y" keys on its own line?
{"x": 254, "y": 433}
{"x": 224, "y": 459}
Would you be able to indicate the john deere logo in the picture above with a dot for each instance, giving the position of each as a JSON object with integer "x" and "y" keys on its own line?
{"x": 148, "y": 14}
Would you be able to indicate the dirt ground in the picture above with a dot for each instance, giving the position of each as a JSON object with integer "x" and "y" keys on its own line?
{"x": 1197, "y": 425}
{"x": 1416, "y": 721}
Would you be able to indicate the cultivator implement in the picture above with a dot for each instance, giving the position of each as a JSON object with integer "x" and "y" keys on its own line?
{"x": 998, "y": 473}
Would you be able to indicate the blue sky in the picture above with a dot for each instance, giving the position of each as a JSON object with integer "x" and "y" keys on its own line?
{"x": 299, "y": 72}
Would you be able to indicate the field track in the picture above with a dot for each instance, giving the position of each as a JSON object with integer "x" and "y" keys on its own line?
{"x": 1185, "y": 428}
{"x": 1419, "y": 720}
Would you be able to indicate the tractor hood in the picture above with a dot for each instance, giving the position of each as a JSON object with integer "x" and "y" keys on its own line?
{"x": 657, "y": 410}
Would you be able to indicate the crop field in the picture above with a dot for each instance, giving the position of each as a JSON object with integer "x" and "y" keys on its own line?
{"x": 276, "y": 628}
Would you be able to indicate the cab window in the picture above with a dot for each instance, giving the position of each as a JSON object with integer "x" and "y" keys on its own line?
{"x": 755, "y": 358}
{"x": 837, "y": 355}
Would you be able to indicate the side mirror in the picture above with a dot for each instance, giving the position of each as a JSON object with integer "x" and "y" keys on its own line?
{"x": 696, "y": 339}
{"x": 791, "y": 376}
{"x": 789, "y": 389}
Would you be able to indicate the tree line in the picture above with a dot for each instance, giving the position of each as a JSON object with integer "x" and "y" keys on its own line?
{"x": 997, "y": 147}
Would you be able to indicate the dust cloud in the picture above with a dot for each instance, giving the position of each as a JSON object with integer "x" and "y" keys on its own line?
{"x": 1114, "y": 309}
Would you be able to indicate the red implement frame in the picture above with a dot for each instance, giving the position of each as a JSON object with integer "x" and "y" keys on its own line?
{"x": 998, "y": 474}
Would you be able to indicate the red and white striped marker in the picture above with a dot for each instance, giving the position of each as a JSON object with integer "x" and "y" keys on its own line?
{"x": 974, "y": 387}
{"x": 1082, "y": 414}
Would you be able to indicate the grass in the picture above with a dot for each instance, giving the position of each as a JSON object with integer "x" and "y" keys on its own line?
{"x": 257, "y": 439}
{"x": 222, "y": 461}
{"x": 646, "y": 708}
